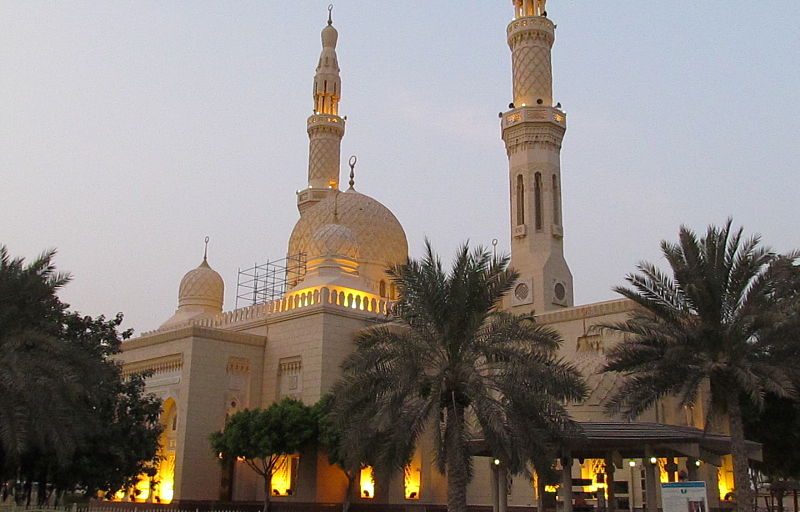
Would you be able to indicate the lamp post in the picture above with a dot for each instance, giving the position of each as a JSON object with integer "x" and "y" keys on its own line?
{"x": 632, "y": 464}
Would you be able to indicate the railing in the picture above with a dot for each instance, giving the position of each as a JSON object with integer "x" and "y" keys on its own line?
{"x": 345, "y": 298}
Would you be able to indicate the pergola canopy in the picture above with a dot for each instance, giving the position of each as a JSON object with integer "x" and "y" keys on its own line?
{"x": 623, "y": 440}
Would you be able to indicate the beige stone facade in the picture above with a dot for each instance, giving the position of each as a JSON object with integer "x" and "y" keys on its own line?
{"x": 207, "y": 363}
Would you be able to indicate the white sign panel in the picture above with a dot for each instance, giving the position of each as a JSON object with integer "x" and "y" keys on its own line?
{"x": 684, "y": 497}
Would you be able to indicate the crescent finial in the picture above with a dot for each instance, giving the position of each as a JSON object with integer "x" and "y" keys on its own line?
{"x": 352, "y": 163}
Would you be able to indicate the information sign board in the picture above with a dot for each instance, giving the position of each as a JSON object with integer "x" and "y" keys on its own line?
{"x": 684, "y": 497}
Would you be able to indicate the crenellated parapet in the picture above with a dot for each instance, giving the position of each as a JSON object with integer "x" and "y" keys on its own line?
{"x": 158, "y": 366}
{"x": 331, "y": 298}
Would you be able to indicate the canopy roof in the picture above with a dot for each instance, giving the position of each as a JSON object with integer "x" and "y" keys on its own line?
{"x": 622, "y": 440}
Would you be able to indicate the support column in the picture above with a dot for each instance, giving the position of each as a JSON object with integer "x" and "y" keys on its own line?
{"x": 633, "y": 483}
{"x": 691, "y": 469}
{"x": 502, "y": 488}
{"x": 566, "y": 481}
{"x": 540, "y": 493}
{"x": 612, "y": 499}
{"x": 495, "y": 489}
{"x": 650, "y": 482}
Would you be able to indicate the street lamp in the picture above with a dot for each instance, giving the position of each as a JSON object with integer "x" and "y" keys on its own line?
{"x": 632, "y": 464}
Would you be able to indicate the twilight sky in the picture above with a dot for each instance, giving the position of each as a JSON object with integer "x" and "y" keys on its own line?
{"x": 131, "y": 130}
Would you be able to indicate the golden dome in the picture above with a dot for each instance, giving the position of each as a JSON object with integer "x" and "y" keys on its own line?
{"x": 378, "y": 235}
{"x": 202, "y": 286}
{"x": 334, "y": 240}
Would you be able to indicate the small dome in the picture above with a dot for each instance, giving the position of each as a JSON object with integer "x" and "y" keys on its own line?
{"x": 334, "y": 240}
{"x": 202, "y": 286}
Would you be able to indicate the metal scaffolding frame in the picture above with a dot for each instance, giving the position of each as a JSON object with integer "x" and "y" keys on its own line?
{"x": 269, "y": 281}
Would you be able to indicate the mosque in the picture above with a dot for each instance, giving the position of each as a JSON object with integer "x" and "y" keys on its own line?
{"x": 207, "y": 363}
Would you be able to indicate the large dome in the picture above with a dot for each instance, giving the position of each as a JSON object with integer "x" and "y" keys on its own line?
{"x": 380, "y": 237}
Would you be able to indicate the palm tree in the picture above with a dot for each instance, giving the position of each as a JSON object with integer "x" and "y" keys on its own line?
{"x": 457, "y": 365}
{"x": 39, "y": 383}
{"x": 723, "y": 319}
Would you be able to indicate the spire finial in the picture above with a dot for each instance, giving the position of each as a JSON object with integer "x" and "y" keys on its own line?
{"x": 352, "y": 163}
{"x": 336, "y": 207}
{"x": 330, "y": 14}
{"x": 205, "y": 250}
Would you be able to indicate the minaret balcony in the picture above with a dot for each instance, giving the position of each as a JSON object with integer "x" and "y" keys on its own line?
{"x": 310, "y": 196}
{"x": 531, "y": 26}
{"x": 326, "y": 122}
{"x": 536, "y": 114}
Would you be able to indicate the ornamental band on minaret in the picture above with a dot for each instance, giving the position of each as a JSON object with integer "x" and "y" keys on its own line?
{"x": 532, "y": 131}
{"x": 325, "y": 127}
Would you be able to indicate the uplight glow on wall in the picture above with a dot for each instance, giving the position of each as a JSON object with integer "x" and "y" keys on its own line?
{"x": 367, "y": 483}
{"x": 412, "y": 478}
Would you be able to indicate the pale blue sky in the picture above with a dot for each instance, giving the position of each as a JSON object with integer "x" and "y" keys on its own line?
{"x": 130, "y": 130}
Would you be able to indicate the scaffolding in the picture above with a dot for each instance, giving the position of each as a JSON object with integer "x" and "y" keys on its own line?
{"x": 269, "y": 281}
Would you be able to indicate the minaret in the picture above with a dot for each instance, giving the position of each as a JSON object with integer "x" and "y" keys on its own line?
{"x": 533, "y": 130}
{"x": 325, "y": 127}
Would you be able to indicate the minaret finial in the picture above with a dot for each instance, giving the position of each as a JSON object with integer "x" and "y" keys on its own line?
{"x": 330, "y": 14}
{"x": 352, "y": 163}
{"x": 205, "y": 250}
{"x": 336, "y": 207}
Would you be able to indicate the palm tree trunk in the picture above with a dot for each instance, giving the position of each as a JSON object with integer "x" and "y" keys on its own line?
{"x": 348, "y": 494}
{"x": 457, "y": 473}
{"x": 741, "y": 482}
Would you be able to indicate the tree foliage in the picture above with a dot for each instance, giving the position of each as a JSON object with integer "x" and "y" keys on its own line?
{"x": 458, "y": 366}
{"x": 67, "y": 417}
{"x": 261, "y": 437}
{"x": 350, "y": 442}
{"x": 725, "y": 316}
{"x": 776, "y": 427}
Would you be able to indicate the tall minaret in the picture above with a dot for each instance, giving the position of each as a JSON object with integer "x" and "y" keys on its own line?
{"x": 325, "y": 127}
{"x": 532, "y": 131}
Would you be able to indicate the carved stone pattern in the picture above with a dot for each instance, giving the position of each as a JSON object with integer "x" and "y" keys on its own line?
{"x": 323, "y": 159}
{"x": 238, "y": 365}
{"x": 532, "y": 74}
{"x": 590, "y": 343}
{"x": 516, "y": 145}
{"x": 290, "y": 365}
{"x": 533, "y": 133}
{"x": 531, "y": 25}
{"x": 380, "y": 236}
{"x": 157, "y": 366}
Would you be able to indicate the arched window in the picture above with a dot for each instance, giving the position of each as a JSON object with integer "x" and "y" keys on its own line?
{"x": 537, "y": 197}
{"x": 556, "y": 198}
{"x": 392, "y": 292}
{"x": 520, "y": 200}
{"x": 382, "y": 291}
